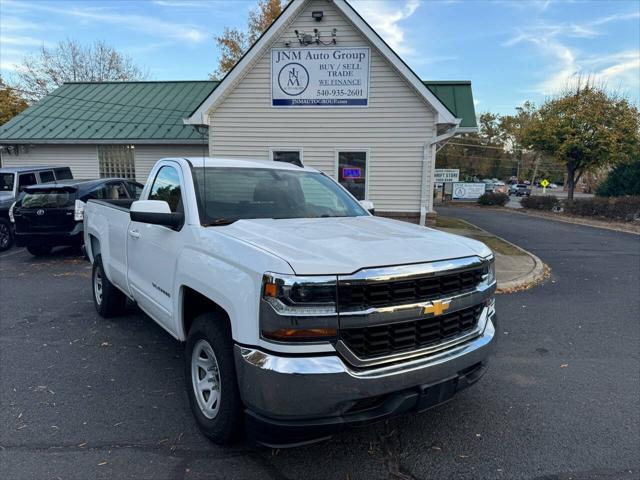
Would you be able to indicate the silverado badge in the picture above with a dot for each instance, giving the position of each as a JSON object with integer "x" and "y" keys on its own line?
{"x": 437, "y": 307}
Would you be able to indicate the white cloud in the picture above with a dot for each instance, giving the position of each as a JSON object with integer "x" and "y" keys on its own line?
{"x": 566, "y": 63}
{"x": 385, "y": 17}
{"x": 104, "y": 15}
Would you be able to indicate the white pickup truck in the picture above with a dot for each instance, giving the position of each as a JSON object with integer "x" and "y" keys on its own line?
{"x": 302, "y": 313}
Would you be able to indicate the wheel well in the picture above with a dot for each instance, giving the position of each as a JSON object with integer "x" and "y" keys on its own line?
{"x": 195, "y": 304}
{"x": 95, "y": 246}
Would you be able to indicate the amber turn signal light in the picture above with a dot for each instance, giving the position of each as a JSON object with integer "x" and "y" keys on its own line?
{"x": 301, "y": 334}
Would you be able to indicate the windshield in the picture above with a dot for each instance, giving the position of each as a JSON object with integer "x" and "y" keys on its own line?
{"x": 229, "y": 194}
{"x": 48, "y": 199}
{"x": 6, "y": 182}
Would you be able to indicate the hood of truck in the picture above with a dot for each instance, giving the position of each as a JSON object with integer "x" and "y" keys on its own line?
{"x": 344, "y": 245}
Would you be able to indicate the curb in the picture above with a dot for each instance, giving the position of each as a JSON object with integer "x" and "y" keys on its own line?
{"x": 538, "y": 273}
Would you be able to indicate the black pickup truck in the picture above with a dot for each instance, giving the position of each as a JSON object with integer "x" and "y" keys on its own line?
{"x": 51, "y": 214}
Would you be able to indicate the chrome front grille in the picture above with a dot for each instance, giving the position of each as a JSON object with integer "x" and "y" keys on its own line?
{"x": 361, "y": 295}
{"x": 380, "y": 340}
{"x": 389, "y": 314}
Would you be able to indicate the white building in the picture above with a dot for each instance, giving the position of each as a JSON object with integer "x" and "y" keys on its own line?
{"x": 319, "y": 87}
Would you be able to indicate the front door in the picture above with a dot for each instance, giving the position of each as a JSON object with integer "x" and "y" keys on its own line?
{"x": 152, "y": 252}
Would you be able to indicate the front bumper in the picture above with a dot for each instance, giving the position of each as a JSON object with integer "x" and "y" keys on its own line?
{"x": 297, "y": 399}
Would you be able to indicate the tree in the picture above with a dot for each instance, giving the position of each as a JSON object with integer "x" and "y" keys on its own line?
{"x": 70, "y": 61}
{"x": 585, "y": 128}
{"x": 624, "y": 179}
{"x": 234, "y": 43}
{"x": 11, "y": 103}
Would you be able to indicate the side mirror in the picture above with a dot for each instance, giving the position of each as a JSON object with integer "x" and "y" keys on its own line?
{"x": 156, "y": 212}
{"x": 368, "y": 205}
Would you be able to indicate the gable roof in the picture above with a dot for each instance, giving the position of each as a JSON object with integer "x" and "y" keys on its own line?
{"x": 200, "y": 117}
{"x": 458, "y": 98}
{"x": 135, "y": 112}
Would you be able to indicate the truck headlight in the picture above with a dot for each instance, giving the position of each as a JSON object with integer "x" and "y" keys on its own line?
{"x": 489, "y": 272}
{"x": 11, "y": 217}
{"x": 298, "y": 308}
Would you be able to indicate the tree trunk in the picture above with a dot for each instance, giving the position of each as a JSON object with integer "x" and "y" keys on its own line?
{"x": 571, "y": 180}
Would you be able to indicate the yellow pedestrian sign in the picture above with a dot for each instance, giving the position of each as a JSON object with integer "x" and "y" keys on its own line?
{"x": 544, "y": 184}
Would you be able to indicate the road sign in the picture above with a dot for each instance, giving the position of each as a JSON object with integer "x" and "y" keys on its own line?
{"x": 544, "y": 184}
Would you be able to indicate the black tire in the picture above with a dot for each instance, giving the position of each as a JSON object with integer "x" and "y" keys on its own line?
{"x": 108, "y": 300}
{"x": 6, "y": 235}
{"x": 39, "y": 250}
{"x": 226, "y": 424}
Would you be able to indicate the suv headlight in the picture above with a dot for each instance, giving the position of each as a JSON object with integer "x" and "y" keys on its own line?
{"x": 489, "y": 271}
{"x": 298, "y": 308}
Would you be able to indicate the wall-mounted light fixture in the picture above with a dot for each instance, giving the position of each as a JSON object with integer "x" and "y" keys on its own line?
{"x": 317, "y": 15}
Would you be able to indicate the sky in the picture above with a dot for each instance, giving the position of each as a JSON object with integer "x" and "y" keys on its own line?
{"x": 511, "y": 50}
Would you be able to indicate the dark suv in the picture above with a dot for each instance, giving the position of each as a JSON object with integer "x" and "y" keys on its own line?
{"x": 52, "y": 214}
{"x": 12, "y": 181}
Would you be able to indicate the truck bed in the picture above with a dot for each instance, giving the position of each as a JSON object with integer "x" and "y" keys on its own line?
{"x": 123, "y": 204}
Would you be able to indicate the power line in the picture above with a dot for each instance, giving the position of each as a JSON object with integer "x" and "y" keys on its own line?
{"x": 482, "y": 146}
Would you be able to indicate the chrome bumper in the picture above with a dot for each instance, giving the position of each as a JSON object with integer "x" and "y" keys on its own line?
{"x": 299, "y": 387}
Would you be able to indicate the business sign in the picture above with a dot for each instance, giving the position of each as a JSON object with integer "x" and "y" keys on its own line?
{"x": 467, "y": 191}
{"x": 446, "y": 175}
{"x": 320, "y": 77}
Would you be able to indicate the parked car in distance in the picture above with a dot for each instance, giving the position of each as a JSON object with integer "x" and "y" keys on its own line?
{"x": 302, "y": 314}
{"x": 51, "y": 214}
{"x": 12, "y": 181}
{"x": 519, "y": 189}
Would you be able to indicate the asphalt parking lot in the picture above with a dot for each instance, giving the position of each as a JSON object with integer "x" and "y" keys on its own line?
{"x": 82, "y": 397}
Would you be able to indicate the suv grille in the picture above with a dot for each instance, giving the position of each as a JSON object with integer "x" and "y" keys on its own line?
{"x": 362, "y": 295}
{"x": 397, "y": 337}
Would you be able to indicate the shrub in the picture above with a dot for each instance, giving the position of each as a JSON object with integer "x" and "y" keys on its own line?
{"x": 623, "y": 180}
{"x": 545, "y": 202}
{"x": 615, "y": 208}
{"x": 493, "y": 198}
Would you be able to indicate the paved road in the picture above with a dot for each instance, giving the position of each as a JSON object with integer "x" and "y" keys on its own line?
{"x": 84, "y": 398}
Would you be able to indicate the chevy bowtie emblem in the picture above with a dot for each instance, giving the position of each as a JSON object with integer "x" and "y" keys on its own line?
{"x": 437, "y": 307}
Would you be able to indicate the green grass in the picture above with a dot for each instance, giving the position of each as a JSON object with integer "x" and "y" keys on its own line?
{"x": 449, "y": 222}
{"x": 498, "y": 246}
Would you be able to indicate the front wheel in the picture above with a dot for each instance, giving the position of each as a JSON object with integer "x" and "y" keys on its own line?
{"x": 108, "y": 300}
{"x": 39, "y": 250}
{"x": 210, "y": 378}
{"x": 6, "y": 235}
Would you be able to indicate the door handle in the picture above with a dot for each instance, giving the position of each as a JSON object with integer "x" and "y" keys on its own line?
{"x": 134, "y": 233}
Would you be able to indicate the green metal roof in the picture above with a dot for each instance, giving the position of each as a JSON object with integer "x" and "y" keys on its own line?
{"x": 111, "y": 111}
{"x": 457, "y": 97}
{"x": 151, "y": 112}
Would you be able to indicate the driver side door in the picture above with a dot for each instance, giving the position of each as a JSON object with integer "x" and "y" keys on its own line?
{"x": 152, "y": 252}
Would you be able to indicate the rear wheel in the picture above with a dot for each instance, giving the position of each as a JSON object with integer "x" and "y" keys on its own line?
{"x": 108, "y": 300}
{"x": 6, "y": 235}
{"x": 39, "y": 250}
{"x": 210, "y": 378}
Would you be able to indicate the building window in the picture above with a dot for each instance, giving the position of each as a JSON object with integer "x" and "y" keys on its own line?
{"x": 117, "y": 161}
{"x": 289, "y": 155}
{"x": 352, "y": 172}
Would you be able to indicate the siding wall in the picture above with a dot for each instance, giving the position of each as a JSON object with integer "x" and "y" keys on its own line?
{"x": 83, "y": 159}
{"x": 394, "y": 128}
{"x": 148, "y": 155}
